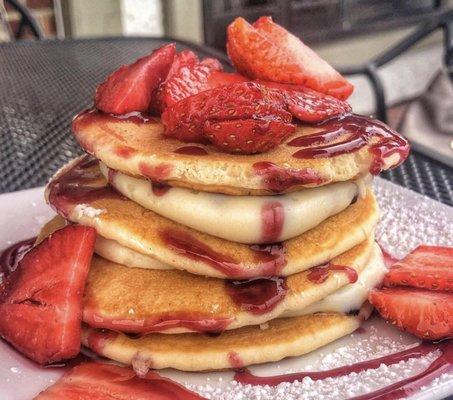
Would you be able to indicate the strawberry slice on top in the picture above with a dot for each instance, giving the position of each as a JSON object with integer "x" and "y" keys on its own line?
{"x": 426, "y": 314}
{"x": 189, "y": 76}
{"x": 41, "y": 300}
{"x": 429, "y": 267}
{"x": 308, "y": 105}
{"x": 242, "y": 118}
{"x": 265, "y": 50}
{"x": 130, "y": 88}
{"x": 99, "y": 381}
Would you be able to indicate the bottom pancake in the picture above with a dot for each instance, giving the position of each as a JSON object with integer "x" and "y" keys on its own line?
{"x": 281, "y": 338}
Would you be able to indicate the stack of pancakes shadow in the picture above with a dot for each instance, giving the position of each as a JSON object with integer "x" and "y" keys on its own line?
{"x": 207, "y": 260}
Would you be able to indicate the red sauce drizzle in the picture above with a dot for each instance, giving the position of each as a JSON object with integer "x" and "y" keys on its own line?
{"x": 320, "y": 273}
{"x": 359, "y": 131}
{"x": 159, "y": 189}
{"x": 273, "y": 218}
{"x": 279, "y": 179}
{"x": 124, "y": 151}
{"x": 156, "y": 173}
{"x": 235, "y": 360}
{"x": 258, "y": 295}
{"x": 191, "y": 150}
{"x": 79, "y": 184}
{"x": 191, "y": 321}
{"x": 389, "y": 259}
{"x": 271, "y": 258}
{"x": 397, "y": 390}
{"x": 92, "y": 116}
{"x": 11, "y": 256}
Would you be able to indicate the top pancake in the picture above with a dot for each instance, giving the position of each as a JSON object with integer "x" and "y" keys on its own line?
{"x": 137, "y": 147}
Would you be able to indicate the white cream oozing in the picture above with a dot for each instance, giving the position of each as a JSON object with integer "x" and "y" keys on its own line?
{"x": 351, "y": 297}
{"x": 243, "y": 219}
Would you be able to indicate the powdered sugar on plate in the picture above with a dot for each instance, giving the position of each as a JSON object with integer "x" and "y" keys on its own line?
{"x": 407, "y": 220}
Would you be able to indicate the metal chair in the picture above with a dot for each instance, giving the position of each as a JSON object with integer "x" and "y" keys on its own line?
{"x": 27, "y": 20}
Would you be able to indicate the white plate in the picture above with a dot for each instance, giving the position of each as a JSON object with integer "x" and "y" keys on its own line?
{"x": 407, "y": 219}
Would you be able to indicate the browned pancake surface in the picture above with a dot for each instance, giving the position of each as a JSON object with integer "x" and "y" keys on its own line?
{"x": 140, "y": 149}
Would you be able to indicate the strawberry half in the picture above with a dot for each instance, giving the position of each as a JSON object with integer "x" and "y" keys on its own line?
{"x": 429, "y": 267}
{"x": 425, "y": 314}
{"x": 41, "y": 302}
{"x": 308, "y": 105}
{"x": 188, "y": 76}
{"x": 130, "y": 87}
{"x": 268, "y": 51}
{"x": 242, "y": 117}
{"x": 107, "y": 382}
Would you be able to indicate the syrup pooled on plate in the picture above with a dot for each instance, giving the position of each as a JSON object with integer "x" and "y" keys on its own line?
{"x": 397, "y": 390}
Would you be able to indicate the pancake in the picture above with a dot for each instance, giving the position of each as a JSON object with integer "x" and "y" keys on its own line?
{"x": 137, "y": 147}
{"x": 282, "y": 338}
{"x": 141, "y": 301}
{"x": 80, "y": 193}
{"x": 243, "y": 219}
{"x": 108, "y": 249}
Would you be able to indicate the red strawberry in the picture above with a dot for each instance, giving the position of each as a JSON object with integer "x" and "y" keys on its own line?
{"x": 247, "y": 136}
{"x": 309, "y": 105}
{"x": 130, "y": 87}
{"x": 429, "y": 267}
{"x": 425, "y": 314}
{"x": 99, "y": 381}
{"x": 185, "y": 58}
{"x": 268, "y": 51}
{"x": 187, "y": 79}
{"x": 219, "y": 78}
{"x": 209, "y": 115}
{"x": 41, "y": 304}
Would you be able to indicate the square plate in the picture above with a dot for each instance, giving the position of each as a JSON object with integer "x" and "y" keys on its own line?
{"x": 407, "y": 219}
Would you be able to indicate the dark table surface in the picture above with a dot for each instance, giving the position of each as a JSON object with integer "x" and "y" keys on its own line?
{"x": 44, "y": 84}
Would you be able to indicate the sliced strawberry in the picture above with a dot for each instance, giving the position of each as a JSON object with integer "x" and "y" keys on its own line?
{"x": 259, "y": 113}
{"x": 425, "y": 314}
{"x": 41, "y": 304}
{"x": 99, "y": 381}
{"x": 429, "y": 267}
{"x": 247, "y": 136}
{"x": 185, "y": 58}
{"x": 130, "y": 87}
{"x": 220, "y": 78}
{"x": 309, "y": 105}
{"x": 268, "y": 51}
{"x": 187, "y": 78}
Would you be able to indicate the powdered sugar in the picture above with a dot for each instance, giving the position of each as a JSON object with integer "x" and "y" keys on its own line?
{"x": 85, "y": 210}
{"x": 407, "y": 220}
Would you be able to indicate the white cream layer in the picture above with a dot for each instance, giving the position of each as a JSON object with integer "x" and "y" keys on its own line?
{"x": 243, "y": 219}
{"x": 351, "y": 297}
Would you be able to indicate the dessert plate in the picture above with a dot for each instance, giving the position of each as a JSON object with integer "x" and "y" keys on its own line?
{"x": 24, "y": 212}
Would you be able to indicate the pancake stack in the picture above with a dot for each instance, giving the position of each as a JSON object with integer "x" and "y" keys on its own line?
{"x": 207, "y": 260}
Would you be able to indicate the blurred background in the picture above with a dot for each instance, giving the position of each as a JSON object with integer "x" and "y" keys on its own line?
{"x": 345, "y": 32}
{"x": 397, "y": 53}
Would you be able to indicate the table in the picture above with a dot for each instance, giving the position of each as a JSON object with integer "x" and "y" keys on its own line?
{"x": 44, "y": 84}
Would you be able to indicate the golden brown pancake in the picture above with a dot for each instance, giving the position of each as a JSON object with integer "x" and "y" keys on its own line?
{"x": 140, "y": 301}
{"x": 80, "y": 193}
{"x": 286, "y": 337}
{"x": 137, "y": 148}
